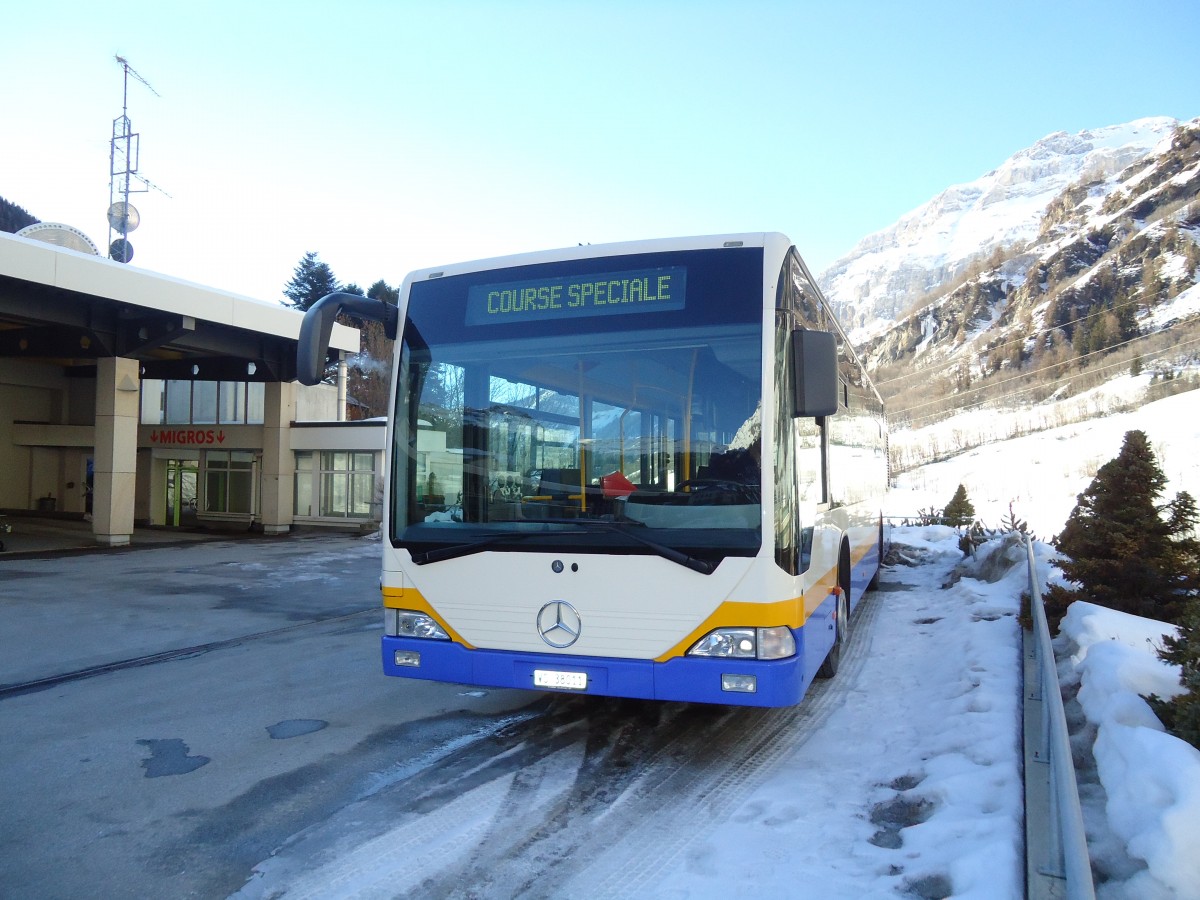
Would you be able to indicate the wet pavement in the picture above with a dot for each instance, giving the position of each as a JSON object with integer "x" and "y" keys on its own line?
{"x": 31, "y": 535}
{"x": 173, "y": 712}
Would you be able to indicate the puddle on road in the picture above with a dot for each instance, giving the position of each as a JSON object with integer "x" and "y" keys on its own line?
{"x": 290, "y": 728}
{"x": 170, "y": 757}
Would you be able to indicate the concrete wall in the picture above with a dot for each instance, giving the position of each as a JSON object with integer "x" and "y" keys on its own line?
{"x": 29, "y": 393}
{"x": 317, "y": 403}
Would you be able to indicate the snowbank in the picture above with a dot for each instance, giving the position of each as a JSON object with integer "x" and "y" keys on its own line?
{"x": 1151, "y": 779}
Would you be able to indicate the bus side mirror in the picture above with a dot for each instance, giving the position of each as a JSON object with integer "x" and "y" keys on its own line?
{"x": 814, "y": 373}
{"x": 317, "y": 326}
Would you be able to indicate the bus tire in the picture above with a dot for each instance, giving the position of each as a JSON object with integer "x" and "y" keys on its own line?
{"x": 841, "y": 626}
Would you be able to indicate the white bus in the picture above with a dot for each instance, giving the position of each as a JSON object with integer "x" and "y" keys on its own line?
{"x": 650, "y": 469}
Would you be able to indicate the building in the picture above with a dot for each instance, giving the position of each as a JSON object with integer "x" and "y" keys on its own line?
{"x": 135, "y": 398}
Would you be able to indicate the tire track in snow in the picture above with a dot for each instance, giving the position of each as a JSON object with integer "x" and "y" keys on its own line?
{"x": 597, "y": 796}
{"x": 710, "y": 794}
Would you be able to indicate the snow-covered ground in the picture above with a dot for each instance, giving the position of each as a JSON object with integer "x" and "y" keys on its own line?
{"x": 934, "y": 805}
{"x": 956, "y": 790}
{"x": 900, "y": 777}
{"x": 1144, "y": 818}
{"x": 1042, "y": 474}
{"x": 912, "y": 787}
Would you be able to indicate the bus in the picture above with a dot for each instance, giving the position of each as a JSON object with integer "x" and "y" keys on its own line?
{"x": 649, "y": 470}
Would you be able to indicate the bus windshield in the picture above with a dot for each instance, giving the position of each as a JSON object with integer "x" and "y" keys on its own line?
{"x": 629, "y": 422}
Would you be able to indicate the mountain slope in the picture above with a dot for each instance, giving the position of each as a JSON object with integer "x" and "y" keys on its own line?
{"x": 938, "y": 241}
{"x": 1106, "y": 286}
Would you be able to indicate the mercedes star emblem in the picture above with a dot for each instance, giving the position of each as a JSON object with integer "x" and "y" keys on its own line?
{"x": 559, "y": 624}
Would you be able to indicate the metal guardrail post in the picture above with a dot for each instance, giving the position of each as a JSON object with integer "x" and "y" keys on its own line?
{"x": 1063, "y": 854}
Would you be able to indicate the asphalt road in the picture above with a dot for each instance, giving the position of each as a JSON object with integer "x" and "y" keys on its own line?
{"x": 170, "y": 717}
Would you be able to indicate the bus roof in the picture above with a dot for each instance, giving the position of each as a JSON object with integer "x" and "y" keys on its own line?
{"x": 765, "y": 239}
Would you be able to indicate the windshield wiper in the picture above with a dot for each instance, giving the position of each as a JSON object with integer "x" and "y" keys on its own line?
{"x": 703, "y": 566}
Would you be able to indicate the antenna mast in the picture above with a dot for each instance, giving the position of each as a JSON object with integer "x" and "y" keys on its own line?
{"x": 123, "y": 168}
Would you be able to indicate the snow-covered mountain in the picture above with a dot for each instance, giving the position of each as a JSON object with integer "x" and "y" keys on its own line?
{"x": 936, "y": 243}
{"x": 1101, "y": 279}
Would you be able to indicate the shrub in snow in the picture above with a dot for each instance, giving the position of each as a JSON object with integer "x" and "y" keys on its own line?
{"x": 959, "y": 511}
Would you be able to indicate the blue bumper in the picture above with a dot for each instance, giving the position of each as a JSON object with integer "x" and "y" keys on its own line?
{"x": 779, "y": 682}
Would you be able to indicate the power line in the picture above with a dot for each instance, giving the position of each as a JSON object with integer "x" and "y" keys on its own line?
{"x": 1040, "y": 386}
{"x": 993, "y": 384}
{"x": 1021, "y": 340}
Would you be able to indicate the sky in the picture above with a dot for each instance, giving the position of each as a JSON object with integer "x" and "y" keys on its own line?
{"x": 389, "y": 136}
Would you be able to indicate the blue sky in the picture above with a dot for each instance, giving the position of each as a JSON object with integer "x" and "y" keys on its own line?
{"x": 391, "y": 136}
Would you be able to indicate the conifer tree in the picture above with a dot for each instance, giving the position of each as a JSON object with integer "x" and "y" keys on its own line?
{"x": 311, "y": 281}
{"x": 13, "y": 218}
{"x": 959, "y": 511}
{"x": 1123, "y": 549}
{"x": 1181, "y": 714}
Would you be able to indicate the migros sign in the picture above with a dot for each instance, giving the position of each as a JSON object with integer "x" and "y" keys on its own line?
{"x": 192, "y": 437}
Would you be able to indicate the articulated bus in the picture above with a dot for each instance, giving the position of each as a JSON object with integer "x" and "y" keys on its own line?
{"x": 650, "y": 470}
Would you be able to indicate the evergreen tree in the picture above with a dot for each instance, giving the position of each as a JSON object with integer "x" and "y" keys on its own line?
{"x": 1181, "y": 714}
{"x": 1123, "y": 550}
{"x": 371, "y": 371}
{"x": 959, "y": 511}
{"x": 311, "y": 281}
{"x": 13, "y": 218}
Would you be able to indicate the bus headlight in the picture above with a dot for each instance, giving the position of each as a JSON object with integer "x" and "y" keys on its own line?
{"x": 412, "y": 624}
{"x": 746, "y": 643}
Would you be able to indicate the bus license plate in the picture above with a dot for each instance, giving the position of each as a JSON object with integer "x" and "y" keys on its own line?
{"x": 569, "y": 681}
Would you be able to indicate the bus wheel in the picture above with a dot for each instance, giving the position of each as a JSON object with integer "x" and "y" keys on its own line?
{"x": 829, "y": 667}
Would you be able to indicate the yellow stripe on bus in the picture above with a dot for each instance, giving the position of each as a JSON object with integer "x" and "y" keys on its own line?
{"x": 740, "y": 614}
{"x": 730, "y": 614}
{"x": 410, "y": 598}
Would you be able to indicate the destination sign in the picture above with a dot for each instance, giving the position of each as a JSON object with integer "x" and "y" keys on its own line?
{"x": 601, "y": 294}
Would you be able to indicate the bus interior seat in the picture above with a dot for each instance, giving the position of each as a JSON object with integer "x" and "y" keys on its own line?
{"x": 560, "y": 483}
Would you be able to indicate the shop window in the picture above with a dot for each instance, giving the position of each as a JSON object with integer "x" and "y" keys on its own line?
{"x": 256, "y": 402}
{"x": 304, "y": 483}
{"x": 347, "y": 483}
{"x": 154, "y": 398}
{"x": 229, "y": 481}
{"x": 204, "y": 402}
{"x": 232, "y": 402}
{"x": 179, "y": 403}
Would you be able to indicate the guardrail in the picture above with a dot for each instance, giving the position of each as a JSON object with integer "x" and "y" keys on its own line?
{"x": 1056, "y": 853}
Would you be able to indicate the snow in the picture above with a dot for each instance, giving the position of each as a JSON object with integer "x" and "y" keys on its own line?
{"x": 1042, "y": 474}
{"x": 1151, "y": 779}
{"x": 929, "y": 736}
{"x": 948, "y": 755}
{"x": 934, "y": 807}
{"x": 1002, "y": 208}
{"x": 1185, "y": 305}
{"x": 904, "y": 777}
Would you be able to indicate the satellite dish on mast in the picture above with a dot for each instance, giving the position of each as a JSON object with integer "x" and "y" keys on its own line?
{"x": 120, "y": 250}
{"x": 124, "y": 217}
{"x": 60, "y": 235}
